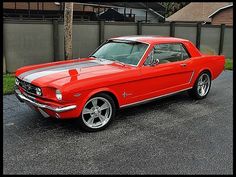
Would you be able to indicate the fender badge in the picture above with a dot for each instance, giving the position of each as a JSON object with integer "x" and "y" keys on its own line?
{"x": 77, "y": 94}
{"x": 126, "y": 94}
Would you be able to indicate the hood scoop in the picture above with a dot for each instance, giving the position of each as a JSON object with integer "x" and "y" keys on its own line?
{"x": 74, "y": 72}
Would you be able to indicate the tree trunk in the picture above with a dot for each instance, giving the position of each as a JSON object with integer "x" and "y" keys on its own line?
{"x": 68, "y": 20}
{"x": 4, "y": 65}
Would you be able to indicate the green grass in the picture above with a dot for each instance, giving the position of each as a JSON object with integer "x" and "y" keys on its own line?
{"x": 8, "y": 84}
{"x": 229, "y": 64}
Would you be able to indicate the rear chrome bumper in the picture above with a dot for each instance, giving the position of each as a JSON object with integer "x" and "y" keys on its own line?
{"x": 23, "y": 98}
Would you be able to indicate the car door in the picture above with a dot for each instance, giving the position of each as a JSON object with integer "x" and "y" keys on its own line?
{"x": 173, "y": 73}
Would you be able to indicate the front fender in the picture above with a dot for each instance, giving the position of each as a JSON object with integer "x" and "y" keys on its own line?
{"x": 88, "y": 94}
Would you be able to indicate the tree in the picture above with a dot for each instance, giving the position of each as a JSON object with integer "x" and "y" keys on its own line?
{"x": 68, "y": 20}
{"x": 172, "y": 7}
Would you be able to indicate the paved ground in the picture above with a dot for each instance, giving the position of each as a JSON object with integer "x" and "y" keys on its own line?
{"x": 174, "y": 135}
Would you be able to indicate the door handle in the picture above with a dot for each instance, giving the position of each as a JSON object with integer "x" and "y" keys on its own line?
{"x": 183, "y": 64}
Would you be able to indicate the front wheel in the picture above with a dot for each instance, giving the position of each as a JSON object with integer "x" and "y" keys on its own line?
{"x": 202, "y": 86}
{"x": 97, "y": 113}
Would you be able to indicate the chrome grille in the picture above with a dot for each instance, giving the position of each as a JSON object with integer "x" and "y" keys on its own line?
{"x": 28, "y": 87}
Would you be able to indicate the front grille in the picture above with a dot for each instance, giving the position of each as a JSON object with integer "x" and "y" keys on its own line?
{"x": 28, "y": 87}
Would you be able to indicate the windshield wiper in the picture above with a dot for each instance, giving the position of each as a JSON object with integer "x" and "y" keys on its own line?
{"x": 117, "y": 61}
{"x": 112, "y": 59}
{"x": 101, "y": 59}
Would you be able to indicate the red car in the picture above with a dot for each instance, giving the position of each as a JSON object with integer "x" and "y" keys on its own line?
{"x": 123, "y": 71}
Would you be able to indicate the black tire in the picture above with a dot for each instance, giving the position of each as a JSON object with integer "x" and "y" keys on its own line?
{"x": 194, "y": 93}
{"x": 82, "y": 120}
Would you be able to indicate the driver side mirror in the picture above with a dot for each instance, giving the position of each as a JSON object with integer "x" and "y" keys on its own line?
{"x": 153, "y": 61}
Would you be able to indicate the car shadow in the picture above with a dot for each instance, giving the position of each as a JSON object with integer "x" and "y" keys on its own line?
{"x": 159, "y": 103}
{"x": 71, "y": 125}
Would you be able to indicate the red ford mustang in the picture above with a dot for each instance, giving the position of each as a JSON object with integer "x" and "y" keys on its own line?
{"x": 123, "y": 71}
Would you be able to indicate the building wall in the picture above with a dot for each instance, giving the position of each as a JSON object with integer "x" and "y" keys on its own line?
{"x": 8, "y": 5}
{"x": 48, "y": 6}
{"x": 223, "y": 17}
{"x": 33, "y": 5}
{"x": 140, "y": 14}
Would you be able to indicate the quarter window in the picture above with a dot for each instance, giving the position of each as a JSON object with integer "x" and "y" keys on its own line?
{"x": 168, "y": 53}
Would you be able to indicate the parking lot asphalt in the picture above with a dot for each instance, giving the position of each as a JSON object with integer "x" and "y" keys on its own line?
{"x": 173, "y": 135}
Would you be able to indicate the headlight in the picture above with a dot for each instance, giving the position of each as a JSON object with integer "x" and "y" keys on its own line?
{"x": 58, "y": 95}
{"x": 38, "y": 91}
{"x": 17, "y": 82}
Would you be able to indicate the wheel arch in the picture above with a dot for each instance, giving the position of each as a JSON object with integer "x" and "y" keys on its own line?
{"x": 112, "y": 95}
{"x": 203, "y": 70}
{"x": 206, "y": 70}
{"x": 92, "y": 93}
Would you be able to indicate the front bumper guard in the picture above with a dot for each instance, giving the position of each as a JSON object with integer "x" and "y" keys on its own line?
{"x": 23, "y": 98}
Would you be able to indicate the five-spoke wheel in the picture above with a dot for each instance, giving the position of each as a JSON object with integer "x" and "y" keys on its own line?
{"x": 97, "y": 112}
{"x": 202, "y": 86}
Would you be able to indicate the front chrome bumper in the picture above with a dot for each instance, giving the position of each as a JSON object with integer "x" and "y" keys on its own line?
{"x": 23, "y": 98}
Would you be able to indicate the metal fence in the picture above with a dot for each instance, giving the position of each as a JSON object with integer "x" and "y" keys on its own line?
{"x": 33, "y": 42}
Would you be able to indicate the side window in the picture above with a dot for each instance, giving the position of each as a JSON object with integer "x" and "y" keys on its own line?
{"x": 168, "y": 53}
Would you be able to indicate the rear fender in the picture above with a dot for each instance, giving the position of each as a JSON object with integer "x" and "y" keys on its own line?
{"x": 213, "y": 64}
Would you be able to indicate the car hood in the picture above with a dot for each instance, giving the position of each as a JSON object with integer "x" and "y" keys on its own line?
{"x": 61, "y": 73}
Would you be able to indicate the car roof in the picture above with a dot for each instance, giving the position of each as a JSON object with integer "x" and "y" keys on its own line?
{"x": 149, "y": 39}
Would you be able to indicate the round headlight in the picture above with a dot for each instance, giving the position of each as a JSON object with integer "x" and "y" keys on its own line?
{"x": 38, "y": 91}
{"x": 17, "y": 82}
{"x": 58, "y": 95}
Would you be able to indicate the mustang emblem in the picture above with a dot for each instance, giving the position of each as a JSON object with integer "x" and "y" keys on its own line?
{"x": 126, "y": 94}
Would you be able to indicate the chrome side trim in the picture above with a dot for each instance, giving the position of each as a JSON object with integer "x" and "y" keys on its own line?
{"x": 191, "y": 77}
{"x": 150, "y": 99}
{"x": 21, "y": 97}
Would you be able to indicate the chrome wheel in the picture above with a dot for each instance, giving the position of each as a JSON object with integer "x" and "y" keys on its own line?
{"x": 96, "y": 112}
{"x": 203, "y": 84}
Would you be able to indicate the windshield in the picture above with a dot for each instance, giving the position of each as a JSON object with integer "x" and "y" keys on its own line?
{"x": 128, "y": 52}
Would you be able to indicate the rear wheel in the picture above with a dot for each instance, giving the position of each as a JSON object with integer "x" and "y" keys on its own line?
{"x": 202, "y": 86}
{"x": 97, "y": 113}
